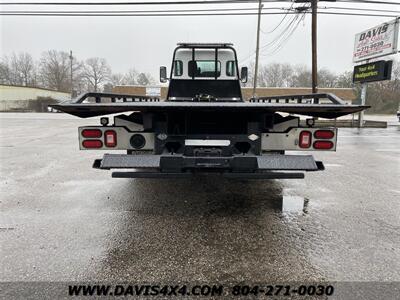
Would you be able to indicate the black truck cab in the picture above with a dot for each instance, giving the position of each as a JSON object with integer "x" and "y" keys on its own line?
{"x": 204, "y": 72}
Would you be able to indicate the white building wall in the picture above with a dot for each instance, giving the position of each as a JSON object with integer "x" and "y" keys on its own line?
{"x": 14, "y": 98}
{"x": 17, "y": 93}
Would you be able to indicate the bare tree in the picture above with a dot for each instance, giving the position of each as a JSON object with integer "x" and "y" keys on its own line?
{"x": 384, "y": 96}
{"x": 274, "y": 75}
{"x": 25, "y": 67}
{"x": 18, "y": 69}
{"x": 262, "y": 78}
{"x": 287, "y": 75}
{"x": 302, "y": 76}
{"x": 145, "y": 79}
{"x": 326, "y": 78}
{"x": 15, "y": 76}
{"x": 55, "y": 70}
{"x": 5, "y": 72}
{"x": 96, "y": 72}
{"x": 130, "y": 78}
{"x": 345, "y": 80}
{"x": 116, "y": 79}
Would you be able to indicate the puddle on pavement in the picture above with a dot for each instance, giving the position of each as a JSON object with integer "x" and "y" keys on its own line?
{"x": 292, "y": 204}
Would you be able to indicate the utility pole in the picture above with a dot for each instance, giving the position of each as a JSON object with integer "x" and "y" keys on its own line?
{"x": 314, "y": 8}
{"x": 257, "y": 48}
{"x": 314, "y": 65}
{"x": 72, "y": 84}
{"x": 314, "y": 46}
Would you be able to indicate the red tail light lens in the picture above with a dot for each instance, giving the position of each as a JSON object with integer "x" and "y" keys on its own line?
{"x": 305, "y": 139}
{"x": 110, "y": 138}
{"x": 92, "y": 144}
{"x": 324, "y": 134}
{"x": 91, "y": 133}
{"x": 323, "y": 145}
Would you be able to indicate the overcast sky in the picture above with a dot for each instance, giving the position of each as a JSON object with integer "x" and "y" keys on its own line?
{"x": 145, "y": 43}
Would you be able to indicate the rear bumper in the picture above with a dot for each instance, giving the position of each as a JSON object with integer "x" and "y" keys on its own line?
{"x": 179, "y": 166}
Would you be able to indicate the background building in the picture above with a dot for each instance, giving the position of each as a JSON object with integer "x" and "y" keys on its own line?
{"x": 22, "y": 98}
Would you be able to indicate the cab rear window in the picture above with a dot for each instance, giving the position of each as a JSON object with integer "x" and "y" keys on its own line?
{"x": 204, "y": 68}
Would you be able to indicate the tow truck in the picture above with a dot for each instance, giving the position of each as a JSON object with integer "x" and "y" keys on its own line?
{"x": 205, "y": 125}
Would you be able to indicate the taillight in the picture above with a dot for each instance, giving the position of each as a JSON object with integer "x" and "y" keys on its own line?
{"x": 91, "y": 133}
{"x": 110, "y": 138}
{"x": 305, "y": 139}
{"x": 92, "y": 144}
{"x": 324, "y": 134}
{"x": 323, "y": 145}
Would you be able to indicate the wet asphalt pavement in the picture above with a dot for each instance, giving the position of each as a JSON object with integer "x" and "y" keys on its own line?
{"x": 61, "y": 220}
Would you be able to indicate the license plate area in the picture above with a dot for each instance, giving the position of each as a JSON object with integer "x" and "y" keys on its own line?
{"x": 207, "y": 151}
{"x": 211, "y": 162}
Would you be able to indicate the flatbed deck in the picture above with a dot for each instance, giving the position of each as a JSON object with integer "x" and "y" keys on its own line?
{"x": 293, "y": 104}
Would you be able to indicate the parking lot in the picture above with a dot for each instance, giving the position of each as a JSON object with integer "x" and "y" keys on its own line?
{"x": 61, "y": 220}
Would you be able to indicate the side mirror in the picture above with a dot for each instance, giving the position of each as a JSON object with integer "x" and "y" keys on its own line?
{"x": 243, "y": 74}
{"x": 163, "y": 74}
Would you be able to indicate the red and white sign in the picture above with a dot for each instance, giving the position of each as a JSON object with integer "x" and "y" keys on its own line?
{"x": 378, "y": 41}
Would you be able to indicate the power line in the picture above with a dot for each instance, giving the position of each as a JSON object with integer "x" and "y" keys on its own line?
{"x": 281, "y": 35}
{"x": 187, "y": 10}
{"x": 369, "y": 2}
{"x": 247, "y": 57}
{"x": 360, "y": 9}
{"x": 142, "y": 3}
{"x": 285, "y": 34}
{"x": 277, "y": 26}
{"x": 281, "y": 44}
{"x": 283, "y": 19}
{"x": 183, "y": 2}
{"x": 141, "y": 11}
{"x": 287, "y": 38}
{"x": 179, "y": 14}
{"x": 240, "y": 61}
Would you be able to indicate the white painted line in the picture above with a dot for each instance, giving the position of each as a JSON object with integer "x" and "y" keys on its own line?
{"x": 387, "y": 150}
{"x": 369, "y": 136}
{"x": 333, "y": 165}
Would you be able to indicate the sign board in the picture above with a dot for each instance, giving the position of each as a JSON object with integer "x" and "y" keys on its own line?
{"x": 377, "y": 41}
{"x": 375, "y": 71}
{"x": 153, "y": 91}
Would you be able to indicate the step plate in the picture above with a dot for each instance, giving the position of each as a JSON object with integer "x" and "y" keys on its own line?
{"x": 265, "y": 162}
